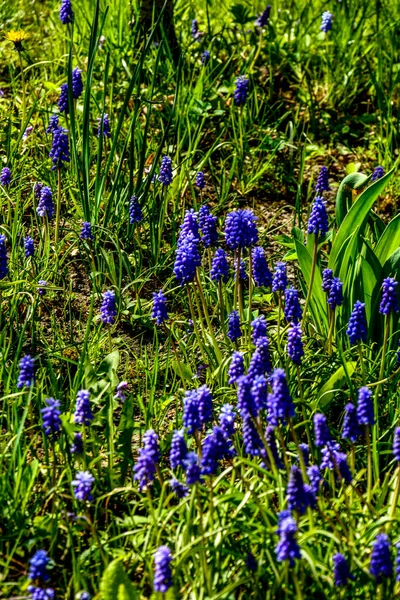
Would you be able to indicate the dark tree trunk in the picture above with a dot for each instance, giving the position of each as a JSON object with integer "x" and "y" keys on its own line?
{"x": 149, "y": 13}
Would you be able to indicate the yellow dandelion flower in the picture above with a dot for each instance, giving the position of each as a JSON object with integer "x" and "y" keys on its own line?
{"x": 16, "y": 37}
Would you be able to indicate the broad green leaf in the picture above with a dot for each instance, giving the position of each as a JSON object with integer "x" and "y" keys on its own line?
{"x": 344, "y": 194}
{"x": 335, "y": 382}
{"x": 318, "y": 300}
{"x": 357, "y": 216}
{"x": 389, "y": 241}
{"x": 115, "y": 584}
{"x": 108, "y": 367}
{"x": 182, "y": 369}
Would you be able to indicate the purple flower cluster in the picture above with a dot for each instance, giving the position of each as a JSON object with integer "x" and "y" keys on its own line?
{"x": 135, "y": 211}
{"x": 51, "y": 417}
{"x": 236, "y": 368}
{"x": 295, "y": 345}
{"x": 103, "y": 123}
{"x": 149, "y": 455}
{"x": 165, "y": 175}
{"x": 318, "y": 221}
{"x": 259, "y": 326}
{"x": 287, "y": 547}
{"x": 292, "y": 310}
{"x": 381, "y": 562}
{"x": 341, "y": 570}
{"x": 5, "y": 177}
{"x": 208, "y": 227}
{"x": 162, "y": 569}
{"x": 187, "y": 259}
{"x": 220, "y": 266}
{"x": 66, "y": 12}
{"x": 241, "y": 90}
{"x": 38, "y": 566}
{"x": 260, "y": 362}
{"x": 357, "y": 328}
{"x": 200, "y": 180}
{"x": 322, "y": 184}
{"x": 240, "y": 229}
{"x": 378, "y": 173}
{"x": 390, "y": 300}
{"x": 83, "y": 413}
{"x": 3, "y": 257}
{"x": 197, "y": 409}
{"x": 234, "y": 331}
{"x": 326, "y": 24}
{"x": 26, "y": 376}
{"x": 335, "y": 296}
{"x": 45, "y": 207}
{"x": 77, "y": 85}
{"x": 29, "y": 246}
{"x": 82, "y": 485}
{"x": 178, "y": 449}
{"x": 279, "y": 281}
{"x": 280, "y": 403}
{"x": 159, "y": 311}
{"x": 264, "y": 17}
{"x": 261, "y": 273}
{"x": 86, "y": 231}
{"x": 59, "y": 152}
{"x": 63, "y": 100}
{"x": 108, "y": 309}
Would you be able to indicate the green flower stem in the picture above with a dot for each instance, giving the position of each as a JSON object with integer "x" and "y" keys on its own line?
{"x": 203, "y": 542}
{"x": 23, "y": 91}
{"x": 58, "y": 208}
{"x": 310, "y": 287}
{"x": 299, "y": 450}
{"x": 196, "y": 329}
{"x": 369, "y": 463}
{"x": 299, "y": 594}
{"x": 375, "y": 430}
{"x": 395, "y": 498}
{"x": 360, "y": 351}
{"x": 236, "y": 287}
{"x": 250, "y": 293}
{"x": 278, "y": 334}
{"x": 303, "y": 411}
{"x": 331, "y": 328}
{"x": 207, "y": 316}
{"x": 96, "y": 537}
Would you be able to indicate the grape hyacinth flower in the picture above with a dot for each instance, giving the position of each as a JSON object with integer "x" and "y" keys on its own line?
{"x": 261, "y": 273}
{"x": 205, "y": 59}
{"x": 236, "y": 368}
{"x": 365, "y": 408}
{"x": 63, "y": 100}
{"x": 135, "y": 211}
{"x": 292, "y": 310}
{"x": 187, "y": 260}
{"x": 159, "y": 311}
{"x": 295, "y": 345}
{"x": 378, "y": 173}
{"x": 200, "y": 180}
{"x": 59, "y": 152}
{"x": 29, "y": 246}
{"x": 259, "y": 393}
{"x": 318, "y": 221}
{"x": 305, "y": 450}
{"x": 299, "y": 496}
{"x": 343, "y": 467}
{"x": 120, "y": 391}
{"x": 178, "y": 449}
{"x": 357, "y": 328}
{"x": 180, "y": 489}
{"x": 108, "y": 309}
{"x": 263, "y": 17}
{"x": 216, "y": 447}
{"x": 279, "y": 281}
{"x": 396, "y": 444}
{"x": 241, "y": 90}
{"x": 390, "y": 301}
{"x": 381, "y": 562}
{"x": 5, "y": 177}
{"x": 38, "y": 593}
{"x": 192, "y": 468}
{"x": 227, "y": 419}
{"x": 51, "y": 417}
{"x": 280, "y": 403}
{"x": 314, "y": 477}
{"x": 82, "y": 485}
{"x": 66, "y": 12}
{"x": 38, "y": 566}
{"x": 53, "y": 125}
{"x": 326, "y": 24}
{"x": 84, "y": 596}
{"x": 287, "y": 547}
{"x": 327, "y": 278}
{"x": 341, "y": 570}
{"x": 77, "y": 85}
{"x": 260, "y": 362}
{"x": 208, "y": 227}
{"x": 259, "y": 326}
{"x": 3, "y": 257}
{"x": 240, "y": 229}
{"x": 220, "y": 267}
{"x": 86, "y": 231}
{"x": 27, "y": 132}
{"x": 26, "y": 376}
{"x": 234, "y": 331}
{"x": 335, "y": 296}
{"x": 242, "y": 271}
{"x": 83, "y": 413}
{"x": 162, "y": 569}
{"x": 45, "y": 205}
{"x": 329, "y": 454}
{"x": 77, "y": 444}
{"x": 103, "y": 122}
{"x": 195, "y": 28}
{"x": 190, "y": 227}
{"x": 322, "y": 184}
{"x": 197, "y": 408}
{"x": 351, "y": 430}
{"x": 149, "y": 455}
{"x": 165, "y": 175}
{"x": 42, "y": 287}
{"x": 321, "y": 430}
